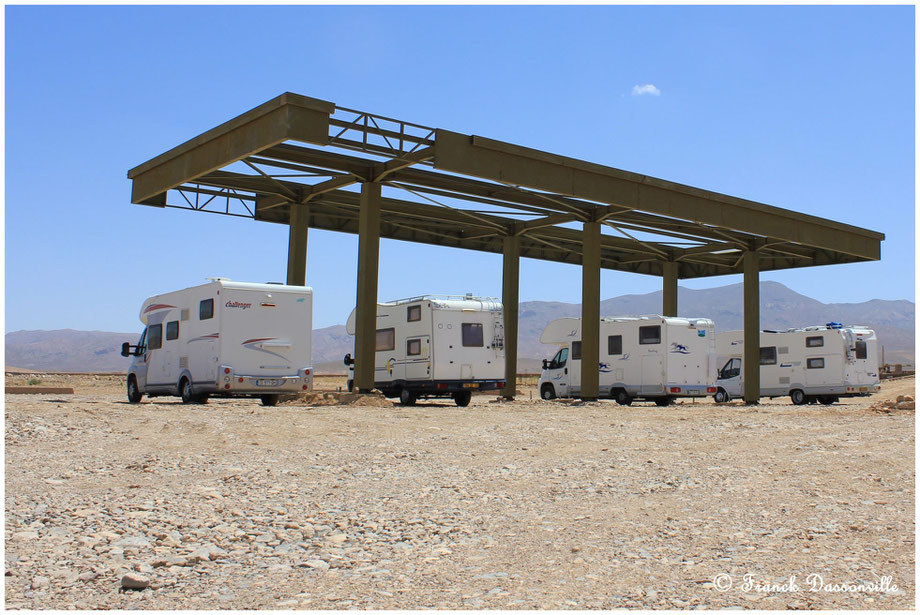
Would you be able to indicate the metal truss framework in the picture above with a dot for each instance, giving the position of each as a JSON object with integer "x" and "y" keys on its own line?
{"x": 471, "y": 192}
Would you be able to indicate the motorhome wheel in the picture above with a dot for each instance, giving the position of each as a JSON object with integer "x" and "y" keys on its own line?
{"x": 722, "y": 396}
{"x": 548, "y": 392}
{"x": 798, "y": 397}
{"x": 623, "y": 398}
{"x": 269, "y": 400}
{"x": 185, "y": 387}
{"x": 827, "y": 400}
{"x": 407, "y": 397}
{"x": 134, "y": 394}
{"x": 663, "y": 401}
{"x": 462, "y": 398}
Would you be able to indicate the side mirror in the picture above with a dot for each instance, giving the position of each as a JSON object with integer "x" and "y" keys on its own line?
{"x": 348, "y": 360}
{"x": 126, "y": 349}
{"x": 545, "y": 364}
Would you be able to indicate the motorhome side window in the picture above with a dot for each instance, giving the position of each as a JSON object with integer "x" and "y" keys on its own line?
{"x": 817, "y": 363}
{"x": 650, "y": 335}
{"x": 386, "y": 339}
{"x": 154, "y": 337}
{"x": 471, "y": 333}
{"x": 768, "y": 355}
{"x": 732, "y": 369}
{"x": 560, "y": 359}
{"x": 814, "y": 342}
{"x": 172, "y": 330}
{"x": 576, "y": 351}
{"x": 614, "y": 344}
{"x": 413, "y": 313}
{"x": 413, "y": 347}
{"x": 862, "y": 351}
{"x": 206, "y": 309}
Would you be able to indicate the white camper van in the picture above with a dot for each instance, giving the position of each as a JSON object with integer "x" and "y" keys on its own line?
{"x": 437, "y": 346}
{"x": 814, "y": 364}
{"x": 654, "y": 358}
{"x": 224, "y": 339}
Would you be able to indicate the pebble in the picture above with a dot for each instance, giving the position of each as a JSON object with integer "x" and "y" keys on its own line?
{"x": 317, "y": 564}
{"x": 40, "y": 582}
{"x": 134, "y": 580}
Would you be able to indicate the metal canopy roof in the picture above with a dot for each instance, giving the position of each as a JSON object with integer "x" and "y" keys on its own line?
{"x": 469, "y": 192}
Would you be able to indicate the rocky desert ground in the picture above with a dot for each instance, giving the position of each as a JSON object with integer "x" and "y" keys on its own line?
{"x": 532, "y": 504}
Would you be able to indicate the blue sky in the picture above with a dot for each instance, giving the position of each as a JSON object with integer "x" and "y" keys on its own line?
{"x": 806, "y": 108}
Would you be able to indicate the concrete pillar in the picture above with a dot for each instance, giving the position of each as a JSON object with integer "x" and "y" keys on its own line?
{"x": 511, "y": 275}
{"x": 297, "y": 244}
{"x": 590, "y": 309}
{"x": 751, "y": 328}
{"x": 669, "y": 288}
{"x": 366, "y": 308}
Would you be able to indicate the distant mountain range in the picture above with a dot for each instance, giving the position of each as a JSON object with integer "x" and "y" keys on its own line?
{"x": 780, "y": 308}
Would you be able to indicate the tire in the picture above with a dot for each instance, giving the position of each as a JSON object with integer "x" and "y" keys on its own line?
{"x": 350, "y": 386}
{"x": 622, "y": 397}
{"x": 722, "y": 396}
{"x": 134, "y": 394}
{"x": 269, "y": 400}
{"x": 202, "y": 399}
{"x": 798, "y": 397}
{"x": 462, "y": 398}
{"x": 548, "y": 392}
{"x": 185, "y": 390}
{"x": 407, "y": 397}
{"x": 661, "y": 402}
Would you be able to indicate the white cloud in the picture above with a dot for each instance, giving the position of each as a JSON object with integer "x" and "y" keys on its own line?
{"x": 648, "y": 88}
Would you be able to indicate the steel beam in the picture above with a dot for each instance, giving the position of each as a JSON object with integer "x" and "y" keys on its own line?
{"x": 669, "y": 288}
{"x": 751, "y": 327}
{"x": 511, "y": 275}
{"x": 590, "y": 309}
{"x": 297, "y": 245}
{"x": 288, "y": 116}
{"x": 535, "y": 169}
{"x": 366, "y": 308}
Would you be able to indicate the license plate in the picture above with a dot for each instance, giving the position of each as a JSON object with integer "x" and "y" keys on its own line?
{"x": 863, "y": 389}
{"x": 470, "y": 385}
{"x": 268, "y": 383}
{"x": 694, "y": 392}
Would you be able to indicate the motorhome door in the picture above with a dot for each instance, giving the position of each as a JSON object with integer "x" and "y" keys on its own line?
{"x": 418, "y": 358}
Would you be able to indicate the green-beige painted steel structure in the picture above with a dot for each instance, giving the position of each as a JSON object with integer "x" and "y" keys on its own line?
{"x": 296, "y": 160}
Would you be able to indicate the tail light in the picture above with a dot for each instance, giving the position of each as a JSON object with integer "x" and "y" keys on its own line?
{"x": 226, "y": 370}
{"x": 675, "y": 389}
{"x": 226, "y": 386}
{"x": 442, "y": 385}
{"x": 241, "y": 379}
{"x": 501, "y": 384}
{"x": 306, "y": 372}
{"x": 710, "y": 389}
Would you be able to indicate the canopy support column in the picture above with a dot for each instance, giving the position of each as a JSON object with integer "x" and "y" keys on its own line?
{"x": 366, "y": 305}
{"x": 297, "y": 244}
{"x": 511, "y": 275}
{"x": 590, "y": 309}
{"x": 669, "y": 288}
{"x": 751, "y": 328}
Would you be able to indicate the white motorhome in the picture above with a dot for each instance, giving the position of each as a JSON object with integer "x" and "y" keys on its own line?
{"x": 437, "y": 346}
{"x": 812, "y": 364}
{"x": 654, "y": 358}
{"x": 225, "y": 339}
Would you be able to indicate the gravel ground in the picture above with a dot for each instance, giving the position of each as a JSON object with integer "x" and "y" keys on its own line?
{"x": 530, "y": 504}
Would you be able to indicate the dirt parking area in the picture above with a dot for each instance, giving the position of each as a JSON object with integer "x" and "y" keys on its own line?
{"x": 530, "y": 504}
